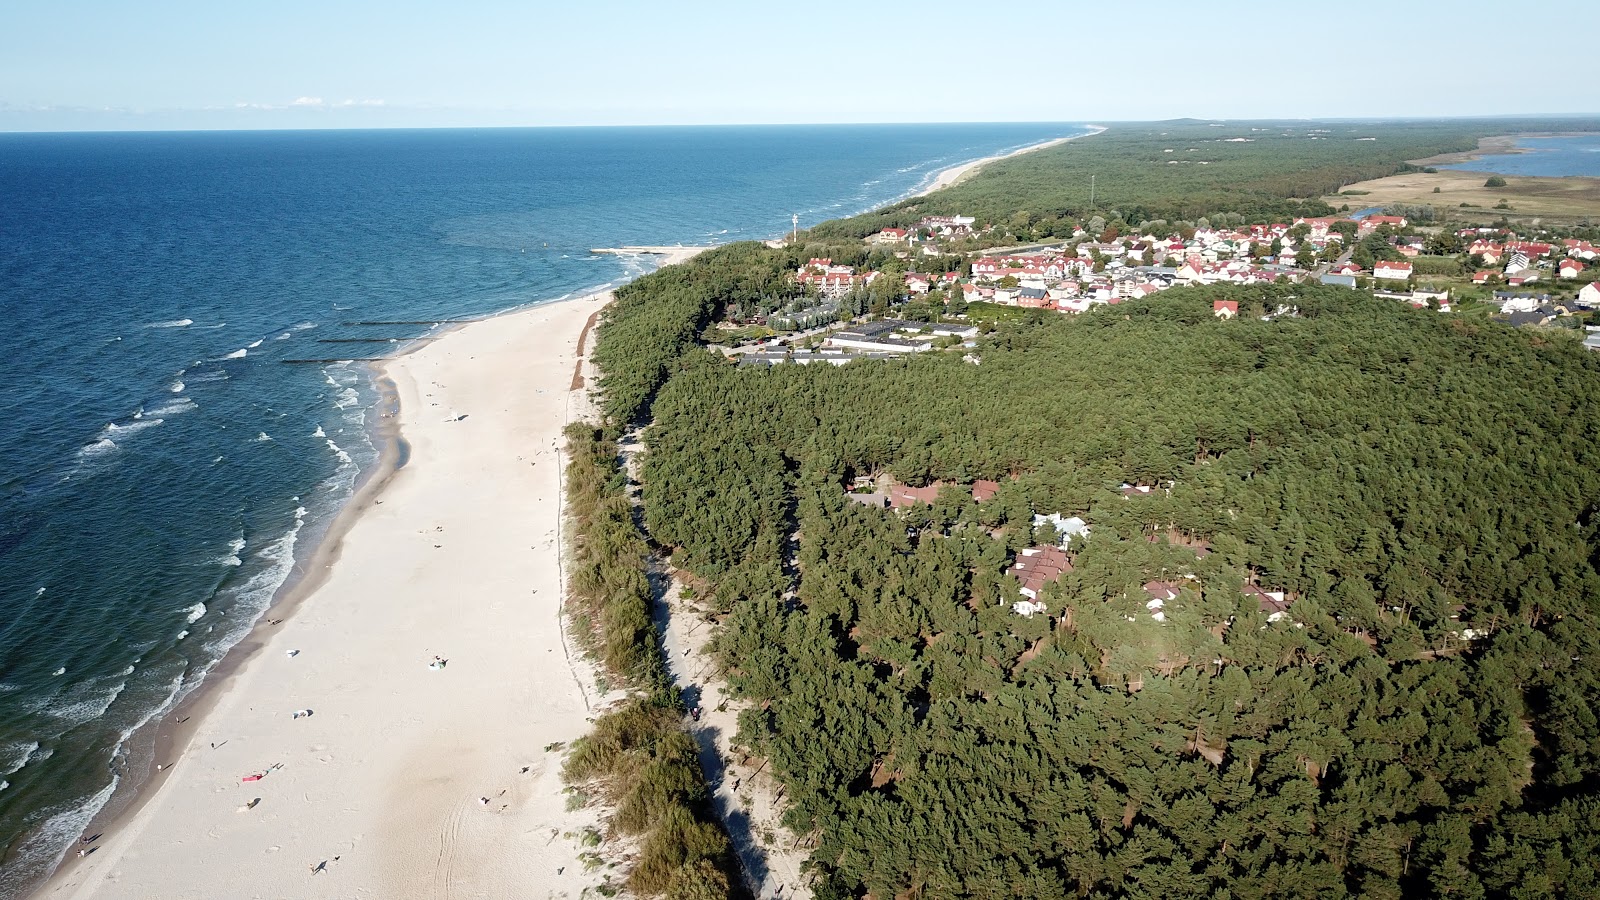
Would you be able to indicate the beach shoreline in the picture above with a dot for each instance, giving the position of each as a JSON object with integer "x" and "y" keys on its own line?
{"x": 959, "y": 173}
{"x": 142, "y": 841}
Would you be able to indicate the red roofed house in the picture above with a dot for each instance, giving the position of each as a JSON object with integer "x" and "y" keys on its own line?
{"x": 1482, "y": 276}
{"x": 1160, "y": 594}
{"x": 889, "y": 236}
{"x": 902, "y": 496}
{"x": 1225, "y": 309}
{"x": 1392, "y": 271}
{"x": 1571, "y": 267}
{"x": 1590, "y": 295}
{"x": 1037, "y": 567}
{"x": 1373, "y": 223}
{"x": 1274, "y": 603}
{"x": 1346, "y": 269}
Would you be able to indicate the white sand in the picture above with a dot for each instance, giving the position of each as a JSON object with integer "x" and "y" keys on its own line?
{"x": 459, "y": 556}
{"x": 958, "y": 173}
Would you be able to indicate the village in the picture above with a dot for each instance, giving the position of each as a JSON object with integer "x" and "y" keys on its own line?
{"x": 1493, "y": 271}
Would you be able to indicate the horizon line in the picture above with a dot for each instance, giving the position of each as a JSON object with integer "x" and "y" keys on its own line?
{"x": 1474, "y": 117}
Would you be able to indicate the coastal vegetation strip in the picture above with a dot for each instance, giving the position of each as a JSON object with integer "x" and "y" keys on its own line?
{"x": 638, "y": 755}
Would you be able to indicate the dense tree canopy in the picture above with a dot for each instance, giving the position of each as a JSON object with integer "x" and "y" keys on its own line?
{"x": 1402, "y": 475}
{"x": 1422, "y": 488}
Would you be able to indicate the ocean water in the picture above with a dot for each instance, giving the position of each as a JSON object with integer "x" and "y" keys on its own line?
{"x": 170, "y": 452}
{"x": 1550, "y": 157}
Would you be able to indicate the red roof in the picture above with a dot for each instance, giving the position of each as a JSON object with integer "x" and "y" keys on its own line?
{"x": 901, "y": 495}
{"x": 1266, "y": 601}
{"x": 1229, "y": 305}
{"x": 1038, "y": 566}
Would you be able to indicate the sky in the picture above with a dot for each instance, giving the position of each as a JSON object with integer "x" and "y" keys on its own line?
{"x": 178, "y": 64}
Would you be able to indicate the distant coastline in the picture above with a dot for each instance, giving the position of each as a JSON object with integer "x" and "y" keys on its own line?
{"x": 1503, "y": 145}
{"x": 958, "y": 173}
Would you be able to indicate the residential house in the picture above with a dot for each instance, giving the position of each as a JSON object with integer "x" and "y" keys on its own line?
{"x": 1589, "y": 297}
{"x": 1159, "y": 594}
{"x": 1068, "y": 527}
{"x": 1225, "y": 309}
{"x": 1036, "y": 567}
{"x": 1392, "y": 271}
{"x": 1513, "y": 303}
{"x": 904, "y": 495}
{"x": 1274, "y": 603}
{"x": 1570, "y": 268}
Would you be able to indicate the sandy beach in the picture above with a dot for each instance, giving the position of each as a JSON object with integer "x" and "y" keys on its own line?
{"x": 965, "y": 170}
{"x": 408, "y": 777}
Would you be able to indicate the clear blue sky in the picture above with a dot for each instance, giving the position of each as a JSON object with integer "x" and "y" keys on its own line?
{"x": 76, "y": 64}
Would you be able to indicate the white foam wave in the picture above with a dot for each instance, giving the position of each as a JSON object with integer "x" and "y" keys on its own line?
{"x": 170, "y": 408}
{"x": 84, "y": 703}
{"x": 339, "y": 452}
{"x": 182, "y": 634}
{"x": 47, "y": 845}
{"x": 252, "y": 598}
{"x": 175, "y": 323}
{"x": 255, "y": 345}
{"x": 263, "y": 437}
{"x": 241, "y": 353}
{"x": 319, "y": 432}
{"x": 232, "y": 558}
{"x": 98, "y": 448}
{"x": 195, "y": 612}
{"x": 138, "y": 424}
{"x": 347, "y": 398}
{"x": 177, "y": 387}
{"x": 128, "y": 671}
{"x": 15, "y": 755}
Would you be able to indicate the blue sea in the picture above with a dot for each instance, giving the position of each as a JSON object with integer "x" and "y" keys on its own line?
{"x": 1549, "y": 157}
{"x": 169, "y": 452}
